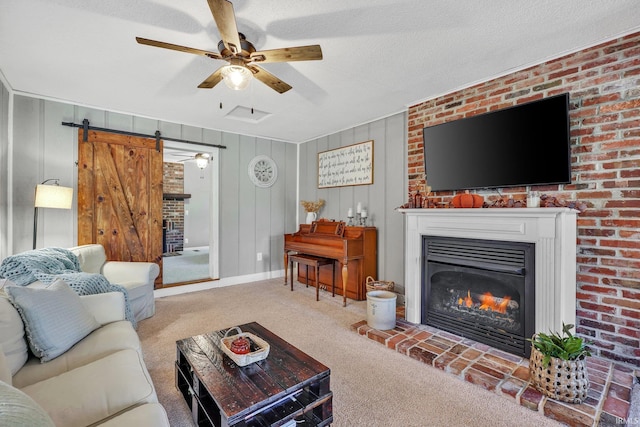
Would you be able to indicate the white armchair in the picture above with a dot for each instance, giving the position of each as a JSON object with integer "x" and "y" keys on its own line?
{"x": 136, "y": 277}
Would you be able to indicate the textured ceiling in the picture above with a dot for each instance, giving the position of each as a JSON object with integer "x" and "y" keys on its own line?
{"x": 380, "y": 56}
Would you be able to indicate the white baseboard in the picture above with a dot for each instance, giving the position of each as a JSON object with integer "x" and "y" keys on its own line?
{"x": 195, "y": 248}
{"x": 227, "y": 281}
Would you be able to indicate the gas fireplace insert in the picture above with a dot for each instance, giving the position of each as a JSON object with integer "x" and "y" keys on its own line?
{"x": 480, "y": 289}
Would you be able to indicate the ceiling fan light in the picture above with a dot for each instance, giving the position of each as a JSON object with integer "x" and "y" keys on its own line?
{"x": 202, "y": 160}
{"x": 236, "y": 77}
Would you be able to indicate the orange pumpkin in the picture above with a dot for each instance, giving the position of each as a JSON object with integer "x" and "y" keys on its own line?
{"x": 467, "y": 200}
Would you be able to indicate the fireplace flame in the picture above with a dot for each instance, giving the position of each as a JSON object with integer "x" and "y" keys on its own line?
{"x": 487, "y": 302}
{"x": 467, "y": 301}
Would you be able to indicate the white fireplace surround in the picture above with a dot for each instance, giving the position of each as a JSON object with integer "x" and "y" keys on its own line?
{"x": 553, "y": 230}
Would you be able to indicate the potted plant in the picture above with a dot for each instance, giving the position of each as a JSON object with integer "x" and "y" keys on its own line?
{"x": 557, "y": 366}
{"x": 312, "y": 208}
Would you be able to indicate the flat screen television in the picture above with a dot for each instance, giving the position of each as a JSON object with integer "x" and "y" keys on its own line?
{"x": 528, "y": 144}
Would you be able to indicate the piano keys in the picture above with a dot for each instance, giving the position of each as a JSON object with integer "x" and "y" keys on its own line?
{"x": 355, "y": 250}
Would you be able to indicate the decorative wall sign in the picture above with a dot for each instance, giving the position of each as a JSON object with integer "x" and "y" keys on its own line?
{"x": 344, "y": 166}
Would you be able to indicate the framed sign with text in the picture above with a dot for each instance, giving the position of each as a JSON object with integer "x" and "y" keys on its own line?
{"x": 345, "y": 166}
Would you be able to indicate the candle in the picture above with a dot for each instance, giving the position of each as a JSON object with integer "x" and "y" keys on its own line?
{"x": 350, "y": 213}
{"x": 359, "y": 207}
{"x": 363, "y": 214}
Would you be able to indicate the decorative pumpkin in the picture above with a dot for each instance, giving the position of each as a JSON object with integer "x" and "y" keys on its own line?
{"x": 468, "y": 200}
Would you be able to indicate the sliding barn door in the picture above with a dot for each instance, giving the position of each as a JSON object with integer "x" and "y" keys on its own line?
{"x": 120, "y": 196}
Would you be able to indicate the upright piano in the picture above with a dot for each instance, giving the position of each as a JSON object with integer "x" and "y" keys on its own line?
{"x": 355, "y": 249}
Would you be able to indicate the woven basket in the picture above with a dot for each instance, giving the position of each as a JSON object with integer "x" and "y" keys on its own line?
{"x": 378, "y": 285}
{"x": 564, "y": 380}
{"x": 260, "y": 353}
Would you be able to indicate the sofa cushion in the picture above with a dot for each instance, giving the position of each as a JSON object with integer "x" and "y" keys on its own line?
{"x": 54, "y": 317}
{"x": 149, "y": 414}
{"x": 102, "y": 342}
{"x": 90, "y": 257}
{"x": 96, "y": 391}
{"x": 12, "y": 339}
{"x": 18, "y": 409}
{"x": 5, "y": 371}
{"x": 106, "y": 307}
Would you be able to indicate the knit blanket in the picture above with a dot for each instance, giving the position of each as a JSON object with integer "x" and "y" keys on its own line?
{"x": 49, "y": 264}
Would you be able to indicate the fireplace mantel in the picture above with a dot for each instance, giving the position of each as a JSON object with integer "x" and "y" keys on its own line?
{"x": 553, "y": 230}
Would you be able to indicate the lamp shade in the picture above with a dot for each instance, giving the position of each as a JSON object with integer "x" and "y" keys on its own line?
{"x": 53, "y": 196}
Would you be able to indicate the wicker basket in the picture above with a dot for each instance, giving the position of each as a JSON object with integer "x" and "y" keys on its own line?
{"x": 260, "y": 346}
{"x": 378, "y": 285}
{"x": 564, "y": 380}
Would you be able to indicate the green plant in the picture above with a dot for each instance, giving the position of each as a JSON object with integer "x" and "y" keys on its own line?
{"x": 565, "y": 347}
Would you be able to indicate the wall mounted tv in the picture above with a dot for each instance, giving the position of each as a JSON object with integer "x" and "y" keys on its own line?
{"x": 528, "y": 144}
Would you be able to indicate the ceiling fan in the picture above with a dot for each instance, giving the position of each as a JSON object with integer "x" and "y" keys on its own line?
{"x": 202, "y": 159}
{"x": 242, "y": 56}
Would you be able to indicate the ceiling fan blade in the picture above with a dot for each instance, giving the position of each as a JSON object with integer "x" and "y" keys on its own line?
{"x": 269, "y": 79}
{"x": 212, "y": 80}
{"x": 225, "y": 17}
{"x": 287, "y": 54}
{"x": 214, "y": 55}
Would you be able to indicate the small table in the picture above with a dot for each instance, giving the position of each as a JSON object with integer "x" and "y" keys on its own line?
{"x": 288, "y": 385}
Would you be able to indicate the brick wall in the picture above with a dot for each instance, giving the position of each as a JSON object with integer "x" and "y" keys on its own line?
{"x": 604, "y": 86}
{"x": 173, "y": 210}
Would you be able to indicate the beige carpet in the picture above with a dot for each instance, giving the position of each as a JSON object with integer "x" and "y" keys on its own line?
{"x": 372, "y": 385}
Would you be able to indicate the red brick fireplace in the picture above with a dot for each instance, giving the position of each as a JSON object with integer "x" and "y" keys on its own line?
{"x": 604, "y": 86}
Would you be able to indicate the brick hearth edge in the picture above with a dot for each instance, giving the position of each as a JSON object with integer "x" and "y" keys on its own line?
{"x": 607, "y": 403}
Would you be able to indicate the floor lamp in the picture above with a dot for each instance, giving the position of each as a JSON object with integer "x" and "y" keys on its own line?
{"x": 50, "y": 196}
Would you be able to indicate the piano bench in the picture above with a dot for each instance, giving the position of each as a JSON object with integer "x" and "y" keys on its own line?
{"x": 315, "y": 262}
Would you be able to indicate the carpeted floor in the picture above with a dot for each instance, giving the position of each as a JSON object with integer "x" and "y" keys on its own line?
{"x": 372, "y": 385}
{"x": 190, "y": 264}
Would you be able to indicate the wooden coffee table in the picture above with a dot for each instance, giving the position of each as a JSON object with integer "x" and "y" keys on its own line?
{"x": 289, "y": 386}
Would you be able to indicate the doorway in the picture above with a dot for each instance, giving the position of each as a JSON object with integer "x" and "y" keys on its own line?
{"x": 190, "y": 220}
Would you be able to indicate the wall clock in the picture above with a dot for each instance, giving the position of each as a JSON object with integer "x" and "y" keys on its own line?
{"x": 263, "y": 171}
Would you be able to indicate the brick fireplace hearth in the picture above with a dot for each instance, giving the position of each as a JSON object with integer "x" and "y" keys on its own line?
{"x": 505, "y": 374}
{"x": 552, "y": 231}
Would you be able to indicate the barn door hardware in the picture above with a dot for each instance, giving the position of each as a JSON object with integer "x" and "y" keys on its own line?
{"x": 86, "y": 127}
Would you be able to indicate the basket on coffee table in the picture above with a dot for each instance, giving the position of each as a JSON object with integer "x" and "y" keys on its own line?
{"x": 259, "y": 348}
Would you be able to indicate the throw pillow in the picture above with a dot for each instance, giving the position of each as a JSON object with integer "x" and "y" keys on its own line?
{"x": 18, "y": 409}
{"x": 54, "y": 318}
{"x": 12, "y": 339}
